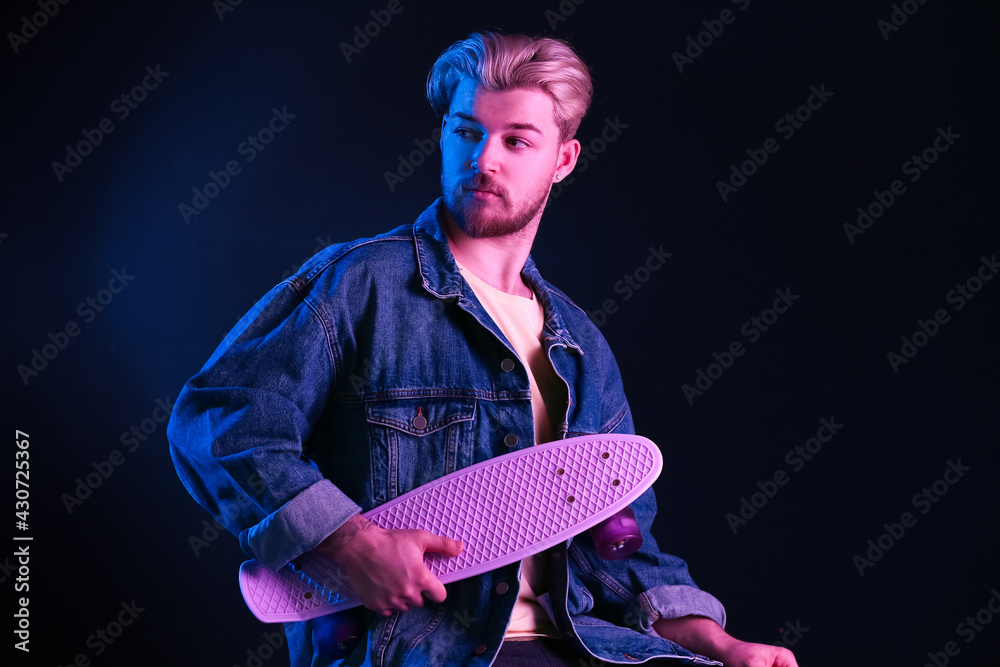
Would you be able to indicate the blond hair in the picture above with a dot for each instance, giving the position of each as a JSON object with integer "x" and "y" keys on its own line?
{"x": 504, "y": 62}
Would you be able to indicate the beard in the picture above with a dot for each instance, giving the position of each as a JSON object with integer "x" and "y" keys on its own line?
{"x": 495, "y": 218}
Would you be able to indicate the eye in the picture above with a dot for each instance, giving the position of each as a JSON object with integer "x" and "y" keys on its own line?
{"x": 466, "y": 133}
{"x": 517, "y": 142}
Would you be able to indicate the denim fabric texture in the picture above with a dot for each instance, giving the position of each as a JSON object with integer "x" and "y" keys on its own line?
{"x": 306, "y": 415}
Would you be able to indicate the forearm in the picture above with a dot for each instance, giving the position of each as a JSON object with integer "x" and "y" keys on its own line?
{"x": 696, "y": 633}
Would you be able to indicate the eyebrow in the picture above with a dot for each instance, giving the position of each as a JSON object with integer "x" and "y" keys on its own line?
{"x": 510, "y": 126}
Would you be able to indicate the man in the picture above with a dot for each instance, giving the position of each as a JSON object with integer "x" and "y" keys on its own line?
{"x": 386, "y": 363}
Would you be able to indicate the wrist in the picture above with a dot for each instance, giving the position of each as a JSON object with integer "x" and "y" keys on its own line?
{"x": 335, "y": 543}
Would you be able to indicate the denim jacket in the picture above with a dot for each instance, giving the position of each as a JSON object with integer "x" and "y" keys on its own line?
{"x": 305, "y": 416}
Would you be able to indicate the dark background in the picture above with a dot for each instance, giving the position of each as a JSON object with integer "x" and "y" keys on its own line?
{"x": 322, "y": 180}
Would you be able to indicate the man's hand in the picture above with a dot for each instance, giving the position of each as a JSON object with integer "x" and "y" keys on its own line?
{"x": 703, "y": 635}
{"x": 386, "y": 567}
{"x": 745, "y": 654}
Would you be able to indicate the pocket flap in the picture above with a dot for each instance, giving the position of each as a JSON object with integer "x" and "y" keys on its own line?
{"x": 420, "y": 416}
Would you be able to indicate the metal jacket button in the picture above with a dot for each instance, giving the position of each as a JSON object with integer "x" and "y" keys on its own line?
{"x": 510, "y": 440}
{"x": 507, "y": 365}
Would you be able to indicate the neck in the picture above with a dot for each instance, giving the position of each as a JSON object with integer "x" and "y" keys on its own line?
{"x": 496, "y": 261}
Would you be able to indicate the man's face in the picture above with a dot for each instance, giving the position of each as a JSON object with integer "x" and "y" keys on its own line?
{"x": 500, "y": 154}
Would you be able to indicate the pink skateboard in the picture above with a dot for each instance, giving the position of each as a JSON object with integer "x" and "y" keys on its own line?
{"x": 503, "y": 509}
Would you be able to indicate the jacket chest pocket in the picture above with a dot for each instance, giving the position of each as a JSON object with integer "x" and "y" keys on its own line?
{"x": 415, "y": 441}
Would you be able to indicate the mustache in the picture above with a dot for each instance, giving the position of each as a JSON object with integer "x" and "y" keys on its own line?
{"x": 483, "y": 182}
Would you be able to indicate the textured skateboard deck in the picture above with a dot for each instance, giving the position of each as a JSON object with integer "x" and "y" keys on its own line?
{"x": 503, "y": 509}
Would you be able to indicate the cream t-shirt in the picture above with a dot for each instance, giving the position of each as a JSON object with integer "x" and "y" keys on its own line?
{"x": 521, "y": 320}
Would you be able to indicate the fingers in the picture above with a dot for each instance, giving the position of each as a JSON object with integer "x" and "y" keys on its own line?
{"x": 418, "y": 584}
{"x": 414, "y": 595}
{"x": 445, "y": 546}
{"x": 424, "y": 586}
{"x": 786, "y": 659}
{"x": 435, "y": 592}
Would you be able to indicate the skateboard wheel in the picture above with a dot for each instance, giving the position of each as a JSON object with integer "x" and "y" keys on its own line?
{"x": 617, "y": 536}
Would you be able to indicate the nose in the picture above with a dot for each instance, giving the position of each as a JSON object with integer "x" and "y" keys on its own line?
{"x": 486, "y": 157}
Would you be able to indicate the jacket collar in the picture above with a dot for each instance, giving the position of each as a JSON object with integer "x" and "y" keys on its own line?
{"x": 441, "y": 277}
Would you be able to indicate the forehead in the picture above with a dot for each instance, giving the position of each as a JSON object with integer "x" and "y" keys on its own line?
{"x": 502, "y": 109}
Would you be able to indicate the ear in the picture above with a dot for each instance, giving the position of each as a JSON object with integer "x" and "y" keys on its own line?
{"x": 566, "y": 159}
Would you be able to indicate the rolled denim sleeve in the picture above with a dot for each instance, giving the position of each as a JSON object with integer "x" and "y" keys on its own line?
{"x": 238, "y": 428}
{"x": 675, "y": 602}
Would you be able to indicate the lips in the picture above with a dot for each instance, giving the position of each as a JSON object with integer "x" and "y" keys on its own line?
{"x": 483, "y": 187}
